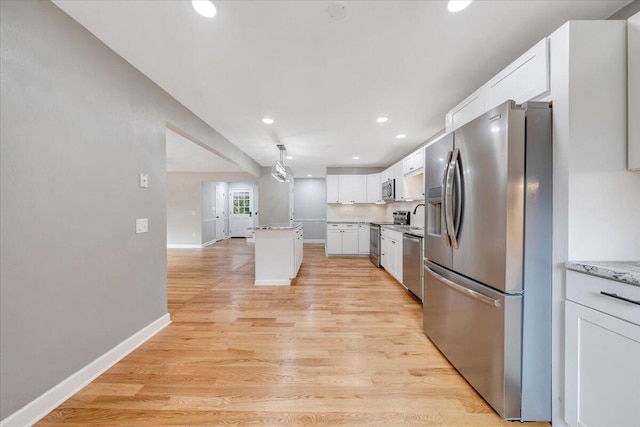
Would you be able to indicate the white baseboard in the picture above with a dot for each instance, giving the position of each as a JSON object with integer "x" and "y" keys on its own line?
{"x": 176, "y": 246}
{"x": 209, "y": 243}
{"x": 34, "y": 411}
{"x": 272, "y": 282}
{"x": 314, "y": 241}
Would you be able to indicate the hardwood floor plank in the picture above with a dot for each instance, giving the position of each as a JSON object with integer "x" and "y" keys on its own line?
{"x": 342, "y": 346}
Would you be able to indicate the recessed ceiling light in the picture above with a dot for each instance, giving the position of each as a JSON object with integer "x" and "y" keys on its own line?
{"x": 204, "y": 8}
{"x": 267, "y": 121}
{"x": 402, "y": 135}
{"x": 289, "y": 157}
{"x": 309, "y": 175}
{"x": 457, "y": 5}
{"x": 382, "y": 119}
{"x": 356, "y": 158}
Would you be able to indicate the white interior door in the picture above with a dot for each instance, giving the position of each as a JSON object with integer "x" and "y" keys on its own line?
{"x": 241, "y": 212}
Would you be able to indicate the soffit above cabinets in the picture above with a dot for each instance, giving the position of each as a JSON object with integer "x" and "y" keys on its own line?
{"x": 325, "y": 81}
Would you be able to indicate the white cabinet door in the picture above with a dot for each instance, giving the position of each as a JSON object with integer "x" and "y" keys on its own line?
{"x": 387, "y": 174}
{"x": 350, "y": 241}
{"x": 399, "y": 176}
{"x": 633, "y": 75}
{"x": 299, "y": 248}
{"x": 602, "y": 369}
{"x": 397, "y": 253}
{"x": 473, "y": 106}
{"x": 524, "y": 79}
{"x": 413, "y": 163}
{"x": 333, "y": 195}
{"x": 345, "y": 190}
{"x": 384, "y": 252}
{"x": 334, "y": 242}
{"x": 359, "y": 188}
{"x": 392, "y": 264}
{"x": 364, "y": 234}
{"x": 373, "y": 188}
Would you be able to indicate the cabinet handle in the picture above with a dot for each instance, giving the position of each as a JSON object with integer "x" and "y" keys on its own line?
{"x": 616, "y": 296}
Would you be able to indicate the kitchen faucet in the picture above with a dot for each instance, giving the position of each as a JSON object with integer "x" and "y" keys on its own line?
{"x": 416, "y": 209}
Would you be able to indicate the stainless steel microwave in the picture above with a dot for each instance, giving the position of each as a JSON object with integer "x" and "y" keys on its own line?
{"x": 389, "y": 189}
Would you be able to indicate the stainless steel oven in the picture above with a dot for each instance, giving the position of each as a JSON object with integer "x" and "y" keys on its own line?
{"x": 374, "y": 244}
{"x": 399, "y": 218}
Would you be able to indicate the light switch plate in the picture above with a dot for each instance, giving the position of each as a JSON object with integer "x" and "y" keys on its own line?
{"x": 142, "y": 225}
{"x": 144, "y": 180}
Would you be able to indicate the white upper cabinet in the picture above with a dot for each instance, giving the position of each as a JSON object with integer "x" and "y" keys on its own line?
{"x": 359, "y": 188}
{"x": 373, "y": 188}
{"x": 387, "y": 174}
{"x": 399, "y": 177}
{"x": 414, "y": 163}
{"x": 346, "y": 188}
{"x": 352, "y": 188}
{"x": 473, "y": 106}
{"x": 523, "y": 80}
{"x": 633, "y": 55}
{"x": 333, "y": 195}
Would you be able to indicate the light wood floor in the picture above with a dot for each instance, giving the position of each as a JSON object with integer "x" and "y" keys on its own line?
{"x": 343, "y": 346}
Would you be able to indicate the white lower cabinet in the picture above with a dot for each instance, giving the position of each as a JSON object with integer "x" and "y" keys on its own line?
{"x": 602, "y": 354}
{"x": 391, "y": 252}
{"x": 334, "y": 242}
{"x": 299, "y": 247}
{"x": 342, "y": 239}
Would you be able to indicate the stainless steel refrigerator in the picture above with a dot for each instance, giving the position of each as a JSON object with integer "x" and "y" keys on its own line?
{"x": 487, "y": 265}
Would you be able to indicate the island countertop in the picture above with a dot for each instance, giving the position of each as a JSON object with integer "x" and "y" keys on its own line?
{"x": 283, "y": 226}
{"x": 622, "y": 271}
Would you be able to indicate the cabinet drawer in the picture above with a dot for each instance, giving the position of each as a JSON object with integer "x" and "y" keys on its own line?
{"x": 342, "y": 226}
{"x": 586, "y": 289}
{"x": 391, "y": 234}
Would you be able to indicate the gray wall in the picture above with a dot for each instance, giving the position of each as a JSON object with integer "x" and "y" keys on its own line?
{"x": 208, "y": 212}
{"x": 273, "y": 205}
{"x": 310, "y": 206}
{"x": 186, "y": 214}
{"x": 78, "y": 124}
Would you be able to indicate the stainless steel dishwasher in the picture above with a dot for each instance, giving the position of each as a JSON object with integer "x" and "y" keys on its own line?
{"x": 412, "y": 264}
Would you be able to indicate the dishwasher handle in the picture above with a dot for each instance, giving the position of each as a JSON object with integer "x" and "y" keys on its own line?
{"x": 411, "y": 238}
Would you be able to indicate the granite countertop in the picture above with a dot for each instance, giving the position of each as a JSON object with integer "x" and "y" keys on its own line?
{"x": 406, "y": 229}
{"x": 622, "y": 271}
{"x": 348, "y": 222}
{"x": 283, "y": 226}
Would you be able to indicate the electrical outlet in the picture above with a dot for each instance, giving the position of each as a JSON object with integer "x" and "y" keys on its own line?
{"x": 142, "y": 225}
{"x": 144, "y": 180}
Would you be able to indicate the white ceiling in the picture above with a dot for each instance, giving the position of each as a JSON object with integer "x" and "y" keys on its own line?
{"x": 184, "y": 155}
{"x": 325, "y": 81}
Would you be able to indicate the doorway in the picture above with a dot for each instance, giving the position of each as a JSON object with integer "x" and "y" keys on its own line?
{"x": 241, "y": 212}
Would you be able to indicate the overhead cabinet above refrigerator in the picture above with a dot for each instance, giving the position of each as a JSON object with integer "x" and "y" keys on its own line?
{"x": 487, "y": 270}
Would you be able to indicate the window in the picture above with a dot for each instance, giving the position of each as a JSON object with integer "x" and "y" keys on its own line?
{"x": 241, "y": 203}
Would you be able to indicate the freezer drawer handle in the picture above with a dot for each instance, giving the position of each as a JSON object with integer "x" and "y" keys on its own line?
{"x": 469, "y": 292}
{"x": 616, "y": 296}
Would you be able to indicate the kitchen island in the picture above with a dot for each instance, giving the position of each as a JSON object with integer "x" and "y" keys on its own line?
{"x": 278, "y": 253}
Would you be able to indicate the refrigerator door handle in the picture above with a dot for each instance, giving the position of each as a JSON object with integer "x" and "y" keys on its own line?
{"x": 448, "y": 197}
{"x": 469, "y": 292}
{"x": 457, "y": 182}
{"x": 443, "y": 205}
